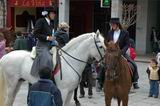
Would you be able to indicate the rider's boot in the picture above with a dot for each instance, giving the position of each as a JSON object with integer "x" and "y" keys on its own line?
{"x": 135, "y": 80}
{"x": 135, "y": 85}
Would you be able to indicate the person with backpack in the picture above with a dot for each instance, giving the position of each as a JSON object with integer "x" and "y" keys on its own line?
{"x": 44, "y": 92}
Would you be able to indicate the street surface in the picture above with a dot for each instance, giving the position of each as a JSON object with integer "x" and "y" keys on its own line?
{"x": 137, "y": 98}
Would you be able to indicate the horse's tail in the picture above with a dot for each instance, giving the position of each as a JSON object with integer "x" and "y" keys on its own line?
{"x": 2, "y": 87}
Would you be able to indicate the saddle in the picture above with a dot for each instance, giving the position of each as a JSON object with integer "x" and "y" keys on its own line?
{"x": 130, "y": 66}
{"x": 55, "y": 60}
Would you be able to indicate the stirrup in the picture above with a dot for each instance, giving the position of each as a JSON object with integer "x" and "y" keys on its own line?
{"x": 33, "y": 53}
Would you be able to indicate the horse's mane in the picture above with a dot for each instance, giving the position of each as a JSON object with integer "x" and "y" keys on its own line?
{"x": 73, "y": 42}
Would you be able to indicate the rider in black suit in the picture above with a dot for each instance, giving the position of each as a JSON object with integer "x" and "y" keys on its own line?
{"x": 123, "y": 39}
{"x": 44, "y": 32}
{"x": 117, "y": 34}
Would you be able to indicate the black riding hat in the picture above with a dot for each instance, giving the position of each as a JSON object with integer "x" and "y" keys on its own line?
{"x": 114, "y": 21}
{"x": 50, "y": 9}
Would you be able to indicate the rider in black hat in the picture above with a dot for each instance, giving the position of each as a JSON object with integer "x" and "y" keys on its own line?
{"x": 117, "y": 34}
{"x": 44, "y": 32}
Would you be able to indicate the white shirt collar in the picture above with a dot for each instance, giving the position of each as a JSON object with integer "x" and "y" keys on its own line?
{"x": 117, "y": 31}
{"x": 48, "y": 21}
{"x": 116, "y": 35}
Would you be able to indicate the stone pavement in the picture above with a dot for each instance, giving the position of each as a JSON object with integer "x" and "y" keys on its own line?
{"x": 137, "y": 98}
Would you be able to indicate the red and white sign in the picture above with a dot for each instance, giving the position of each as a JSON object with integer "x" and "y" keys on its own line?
{"x": 30, "y": 3}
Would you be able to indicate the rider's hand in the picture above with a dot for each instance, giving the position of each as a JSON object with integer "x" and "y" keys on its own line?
{"x": 50, "y": 38}
{"x": 56, "y": 43}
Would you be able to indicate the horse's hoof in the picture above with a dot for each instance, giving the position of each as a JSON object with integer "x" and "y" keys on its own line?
{"x": 89, "y": 96}
{"x": 135, "y": 86}
{"x": 78, "y": 104}
{"x": 81, "y": 96}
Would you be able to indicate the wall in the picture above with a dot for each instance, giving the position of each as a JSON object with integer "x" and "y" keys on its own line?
{"x": 2, "y": 14}
{"x": 158, "y": 13}
{"x": 19, "y": 11}
{"x": 141, "y": 26}
{"x": 146, "y": 18}
{"x": 152, "y": 21}
{"x": 81, "y": 17}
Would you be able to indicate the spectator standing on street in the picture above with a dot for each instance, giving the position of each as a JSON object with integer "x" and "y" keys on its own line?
{"x": 86, "y": 81}
{"x": 44, "y": 92}
{"x": 154, "y": 40}
{"x": 154, "y": 78}
{"x": 2, "y": 45}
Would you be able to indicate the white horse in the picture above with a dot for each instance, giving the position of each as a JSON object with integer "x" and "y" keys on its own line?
{"x": 15, "y": 67}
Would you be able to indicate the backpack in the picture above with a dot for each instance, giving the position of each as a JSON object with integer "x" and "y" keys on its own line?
{"x": 131, "y": 52}
{"x": 41, "y": 98}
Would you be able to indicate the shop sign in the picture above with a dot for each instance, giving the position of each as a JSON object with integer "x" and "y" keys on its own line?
{"x": 30, "y": 3}
{"x": 105, "y": 3}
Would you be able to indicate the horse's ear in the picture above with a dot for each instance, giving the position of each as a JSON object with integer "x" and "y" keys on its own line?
{"x": 105, "y": 42}
{"x": 97, "y": 32}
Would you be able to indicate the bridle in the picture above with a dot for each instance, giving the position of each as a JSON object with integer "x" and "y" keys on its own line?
{"x": 113, "y": 68}
{"x": 98, "y": 49}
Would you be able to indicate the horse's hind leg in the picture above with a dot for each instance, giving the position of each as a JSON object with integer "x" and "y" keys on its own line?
{"x": 17, "y": 88}
{"x": 13, "y": 88}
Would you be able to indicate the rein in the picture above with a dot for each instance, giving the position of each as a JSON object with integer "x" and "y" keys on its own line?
{"x": 72, "y": 56}
{"x": 115, "y": 68}
{"x": 79, "y": 59}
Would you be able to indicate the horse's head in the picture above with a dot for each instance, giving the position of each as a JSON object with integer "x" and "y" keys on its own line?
{"x": 97, "y": 47}
{"x": 112, "y": 60}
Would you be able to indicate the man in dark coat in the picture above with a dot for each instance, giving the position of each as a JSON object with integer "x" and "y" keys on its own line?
{"x": 44, "y": 31}
{"x": 117, "y": 34}
{"x": 154, "y": 40}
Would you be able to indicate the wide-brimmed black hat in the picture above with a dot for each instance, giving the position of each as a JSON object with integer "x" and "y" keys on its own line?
{"x": 50, "y": 9}
{"x": 114, "y": 21}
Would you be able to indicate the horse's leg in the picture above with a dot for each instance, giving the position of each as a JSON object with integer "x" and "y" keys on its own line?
{"x": 125, "y": 101}
{"x": 119, "y": 101}
{"x": 75, "y": 97}
{"x": 108, "y": 101}
{"x": 12, "y": 91}
{"x": 68, "y": 99}
{"x": 64, "y": 96}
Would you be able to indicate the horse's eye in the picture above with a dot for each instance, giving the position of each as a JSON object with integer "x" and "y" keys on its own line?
{"x": 100, "y": 47}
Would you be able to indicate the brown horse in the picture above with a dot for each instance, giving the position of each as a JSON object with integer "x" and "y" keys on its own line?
{"x": 117, "y": 75}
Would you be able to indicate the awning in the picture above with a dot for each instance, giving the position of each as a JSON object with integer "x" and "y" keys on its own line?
{"x": 30, "y": 3}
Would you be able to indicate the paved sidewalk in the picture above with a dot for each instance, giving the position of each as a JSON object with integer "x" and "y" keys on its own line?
{"x": 144, "y": 58}
{"x": 138, "y": 98}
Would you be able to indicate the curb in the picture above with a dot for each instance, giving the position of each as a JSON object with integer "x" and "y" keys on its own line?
{"x": 141, "y": 61}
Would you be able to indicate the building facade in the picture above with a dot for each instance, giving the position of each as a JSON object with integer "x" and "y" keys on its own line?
{"x": 2, "y": 13}
{"x": 86, "y": 16}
